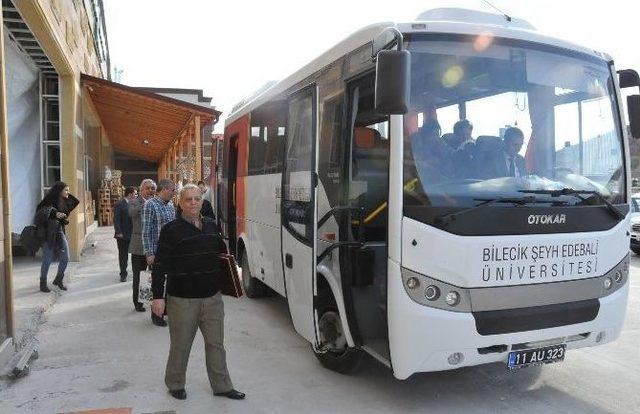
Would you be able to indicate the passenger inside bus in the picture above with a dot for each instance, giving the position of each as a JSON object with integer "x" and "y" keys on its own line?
{"x": 433, "y": 157}
{"x": 461, "y": 135}
{"x": 461, "y": 141}
{"x": 507, "y": 162}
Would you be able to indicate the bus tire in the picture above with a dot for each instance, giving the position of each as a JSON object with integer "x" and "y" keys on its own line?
{"x": 636, "y": 250}
{"x": 253, "y": 288}
{"x": 346, "y": 361}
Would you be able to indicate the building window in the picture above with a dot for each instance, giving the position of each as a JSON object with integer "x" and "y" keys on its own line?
{"x": 50, "y": 113}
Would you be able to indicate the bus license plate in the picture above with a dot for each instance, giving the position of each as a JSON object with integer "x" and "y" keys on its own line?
{"x": 529, "y": 357}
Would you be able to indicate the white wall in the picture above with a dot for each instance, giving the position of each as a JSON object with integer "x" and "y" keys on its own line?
{"x": 186, "y": 97}
{"x": 24, "y": 135}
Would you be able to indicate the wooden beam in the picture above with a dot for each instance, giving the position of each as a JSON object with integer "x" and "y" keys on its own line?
{"x": 5, "y": 194}
{"x": 198, "y": 145}
{"x": 167, "y": 166}
{"x": 171, "y": 164}
{"x": 189, "y": 142}
{"x": 175, "y": 164}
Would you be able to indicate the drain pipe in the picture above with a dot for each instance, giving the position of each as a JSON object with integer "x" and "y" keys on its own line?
{"x": 6, "y": 201}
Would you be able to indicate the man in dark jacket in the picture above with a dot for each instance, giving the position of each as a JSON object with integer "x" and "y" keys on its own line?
{"x": 207, "y": 208}
{"x": 123, "y": 227}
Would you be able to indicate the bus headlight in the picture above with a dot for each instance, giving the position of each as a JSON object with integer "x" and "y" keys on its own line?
{"x": 607, "y": 283}
{"x": 432, "y": 292}
{"x": 452, "y": 298}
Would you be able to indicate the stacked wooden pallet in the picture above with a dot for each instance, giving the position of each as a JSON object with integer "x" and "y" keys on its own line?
{"x": 89, "y": 208}
{"x": 105, "y": 207}
{"x": 117, "y": 190}
{"x": 110, "y": 192}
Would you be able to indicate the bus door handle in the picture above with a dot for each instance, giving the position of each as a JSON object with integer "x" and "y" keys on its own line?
{"x": 288, "y": 260}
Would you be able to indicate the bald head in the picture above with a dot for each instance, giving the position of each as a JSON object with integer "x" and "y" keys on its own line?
{"x": 190, "y": 200}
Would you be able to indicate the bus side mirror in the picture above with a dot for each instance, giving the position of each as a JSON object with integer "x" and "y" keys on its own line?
{"x": 633, "y": 107}
{"x": 629, "y": 78}
{"x": 393, "y": 71}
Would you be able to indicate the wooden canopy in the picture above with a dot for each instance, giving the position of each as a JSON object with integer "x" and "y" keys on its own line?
{"x": 146, "y": 125}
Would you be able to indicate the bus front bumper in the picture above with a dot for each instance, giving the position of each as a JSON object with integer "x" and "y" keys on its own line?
{"x": 424, "y": 339}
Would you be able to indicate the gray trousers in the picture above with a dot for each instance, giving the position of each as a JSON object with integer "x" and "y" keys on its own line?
{"x": 186, "y": 315}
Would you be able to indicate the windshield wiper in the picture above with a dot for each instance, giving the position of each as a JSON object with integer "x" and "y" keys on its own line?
{"x": 578, "y": 193}
{"x": 446, "y": 219}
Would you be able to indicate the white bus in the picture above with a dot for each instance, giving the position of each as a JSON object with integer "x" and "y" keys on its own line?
{"x": 345, "y": 189}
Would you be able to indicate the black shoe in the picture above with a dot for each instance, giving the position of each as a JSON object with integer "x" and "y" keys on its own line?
{"x": 140, "y": 307}
{"x": 44, "y": 288}
{"x": 179, "y": 394}
{"x": 158, "y": 321}
{"x": 233, "y": 394}
{"x": 60, "y": 284}
{"x": 123, "y": 278}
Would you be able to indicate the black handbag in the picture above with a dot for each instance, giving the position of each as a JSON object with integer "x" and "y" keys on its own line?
{"x": 30, "y": 239}
{"x": 230, "y": 284}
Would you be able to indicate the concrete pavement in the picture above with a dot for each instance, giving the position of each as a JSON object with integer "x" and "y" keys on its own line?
{"x": 96, "y": 352}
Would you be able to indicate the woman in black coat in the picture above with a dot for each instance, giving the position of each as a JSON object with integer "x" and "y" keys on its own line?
{"x": 51, "y": 218}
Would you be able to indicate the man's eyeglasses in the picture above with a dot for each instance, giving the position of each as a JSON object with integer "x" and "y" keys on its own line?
{"x": 191, "y": 199}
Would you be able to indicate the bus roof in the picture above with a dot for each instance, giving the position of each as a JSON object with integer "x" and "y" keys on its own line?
{"x": 444, "y": 20}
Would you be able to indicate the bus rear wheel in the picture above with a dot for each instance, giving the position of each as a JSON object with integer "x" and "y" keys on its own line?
{"x": 252, "y": 286}
{"x": 335, "y": 353}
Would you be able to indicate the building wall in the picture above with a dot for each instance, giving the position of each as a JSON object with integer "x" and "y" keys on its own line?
{"x": 64, "y": 31}
{"x": 71, "y": 23}
{"x": 185, "y": 97}
{"x": 23, "y": 116}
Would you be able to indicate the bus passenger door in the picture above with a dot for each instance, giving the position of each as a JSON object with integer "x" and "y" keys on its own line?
{"x": 298, "y": 209}
{"x": 231, "y": 193}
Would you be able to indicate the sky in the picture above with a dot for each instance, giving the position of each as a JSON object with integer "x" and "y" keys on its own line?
{"x": 231, "y": 48}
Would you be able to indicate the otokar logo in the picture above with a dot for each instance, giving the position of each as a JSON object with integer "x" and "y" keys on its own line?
{"x": 547, "y": 219}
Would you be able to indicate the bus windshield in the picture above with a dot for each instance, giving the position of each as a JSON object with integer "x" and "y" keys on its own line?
{"x": 495, "y": 118}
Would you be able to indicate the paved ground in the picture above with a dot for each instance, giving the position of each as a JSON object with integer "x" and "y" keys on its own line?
{"x": 96, "y": 352}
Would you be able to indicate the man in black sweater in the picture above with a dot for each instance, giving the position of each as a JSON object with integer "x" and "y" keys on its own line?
{"x": 187, "y": 255}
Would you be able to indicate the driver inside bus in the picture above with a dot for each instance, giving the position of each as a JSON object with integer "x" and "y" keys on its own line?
{"x": 508, "y": 162}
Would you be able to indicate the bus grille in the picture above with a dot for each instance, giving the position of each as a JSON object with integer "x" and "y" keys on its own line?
{"x": 537, "y": 317}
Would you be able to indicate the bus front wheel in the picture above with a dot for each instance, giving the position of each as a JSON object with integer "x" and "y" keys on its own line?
{"x": 252, "y": 286}
{"x": 335, "y": 353}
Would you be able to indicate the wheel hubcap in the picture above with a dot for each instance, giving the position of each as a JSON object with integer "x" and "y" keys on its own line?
{"x": 331, "y": 332}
